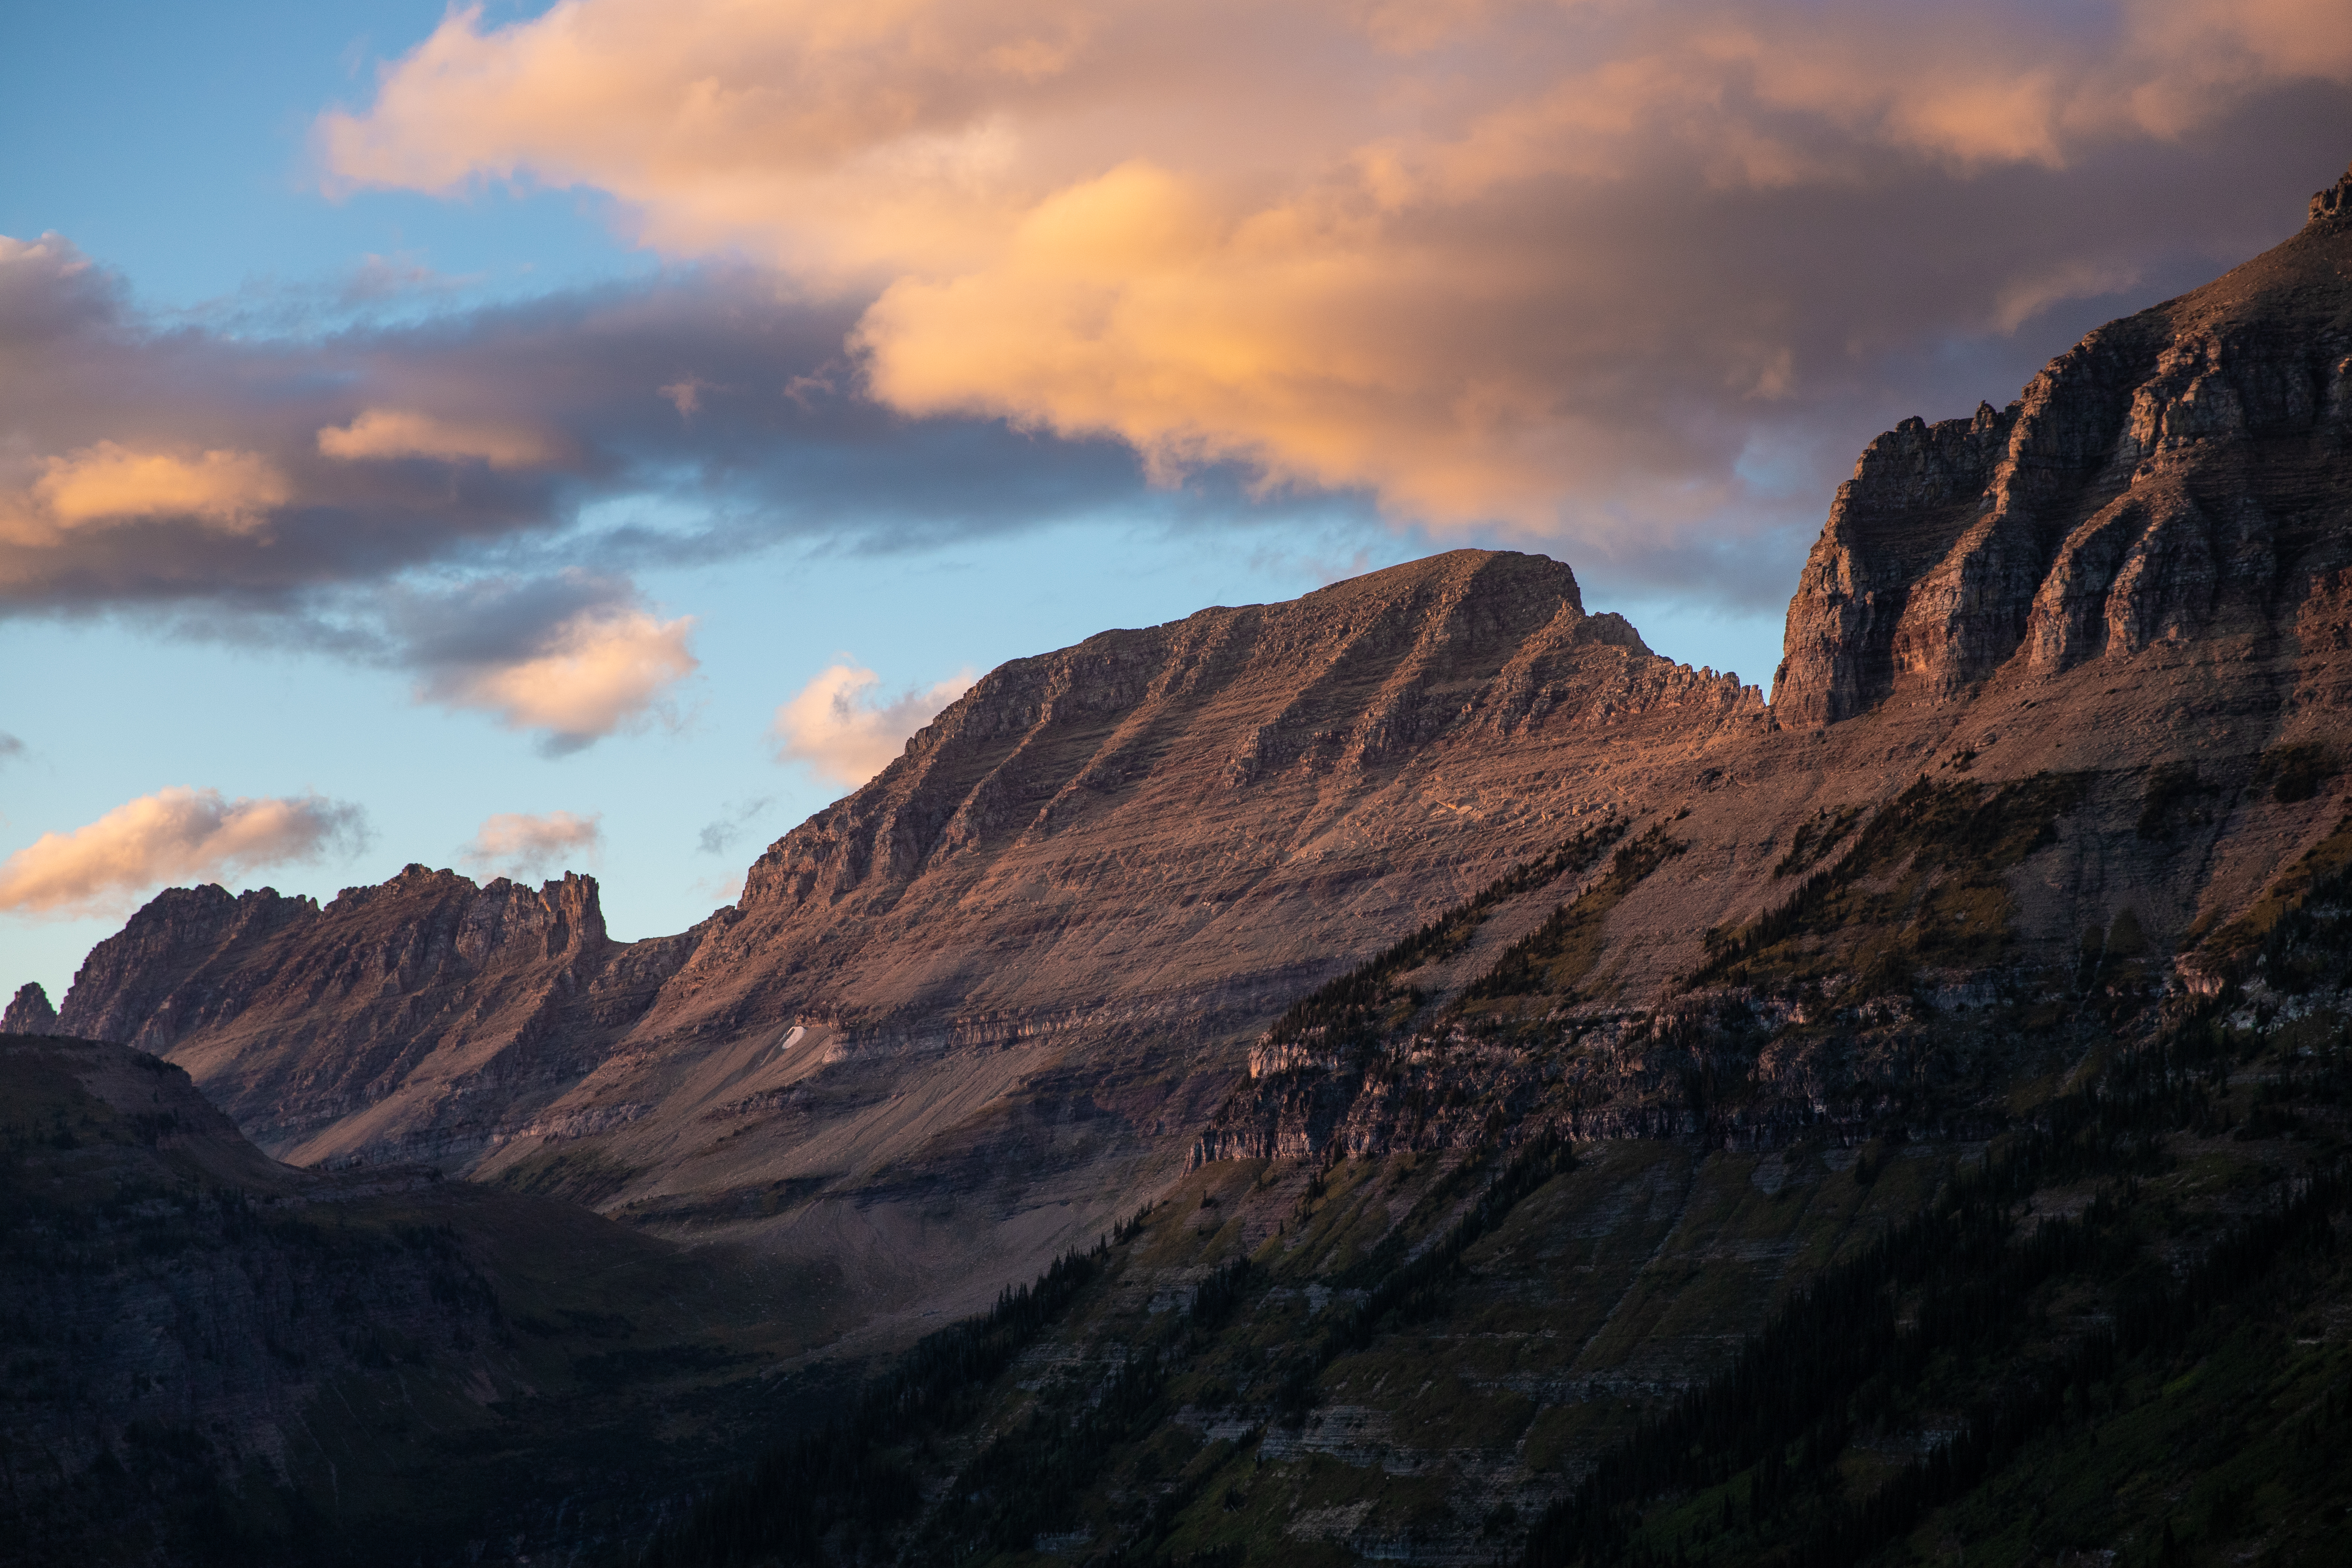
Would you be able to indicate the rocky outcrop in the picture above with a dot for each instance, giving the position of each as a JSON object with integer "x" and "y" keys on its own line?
{"x": 409, "y": 1020}
{"x": 2172, "y": 476}
{"x": 29, "y": 1013}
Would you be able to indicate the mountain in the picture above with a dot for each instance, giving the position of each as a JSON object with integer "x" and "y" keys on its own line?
{"x": 215, "y": 1357}
{"x": 1595, "y": 1116}
{"x": 936, "y": 1027}
{"x": 427, "y": 1007}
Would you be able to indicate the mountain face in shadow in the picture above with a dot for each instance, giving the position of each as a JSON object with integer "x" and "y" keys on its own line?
{"x": 1429, "y": 917}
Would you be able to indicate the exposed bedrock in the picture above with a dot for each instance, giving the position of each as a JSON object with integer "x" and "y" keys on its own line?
{"x": 999, "y": 993}
{"x": 401, "y": 1021}
{"x": 2175, "y": 474}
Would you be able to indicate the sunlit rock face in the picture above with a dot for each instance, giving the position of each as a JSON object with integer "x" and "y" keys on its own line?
{"x": 29, "y": 1012}
{"x": 403, "y": 1021}
{"x": 1006, "y": 990}
{"x": 2174, "y": 476}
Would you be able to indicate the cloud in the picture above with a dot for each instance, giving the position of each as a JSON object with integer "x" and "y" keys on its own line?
{"x": 12, "y": 748}
{"x": 107, "y": 484}
{"x": 717, "y": 835}
{"x": 521, "y": 845}
{"x": 1544, "y": 267}
{"x": 176, "y": 834}
{"x": 837, "y": 725}
{"x": 412, "y": 497}
{"x": 241, "y": 474}
{"x": 389, "y": 433}
{"x": 1631, "y": 283}
{"x": 594, "y": 672}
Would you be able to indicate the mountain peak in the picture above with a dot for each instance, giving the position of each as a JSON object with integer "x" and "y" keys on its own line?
{"x": 2334, "y": 202}
{"x": 2164, "y": 483}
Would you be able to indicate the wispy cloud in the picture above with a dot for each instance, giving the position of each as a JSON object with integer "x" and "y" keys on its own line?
{"x": 519, "y": 845}
{"x": 845, "y": 730}
{"x": 389, "y": 433}
{"x": 175, "y": 834}
{"x": 718, "y": 834}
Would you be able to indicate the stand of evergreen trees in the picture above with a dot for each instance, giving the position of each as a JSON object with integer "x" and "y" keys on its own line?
{"x": 850, "y": 1477}
{"x": 1837, "y": 1357}
{"x": 1354, "y": 1009}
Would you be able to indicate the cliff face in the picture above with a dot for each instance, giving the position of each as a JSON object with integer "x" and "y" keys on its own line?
{"x": 2176, "y": 476}
{"x": 401, "y": 1021}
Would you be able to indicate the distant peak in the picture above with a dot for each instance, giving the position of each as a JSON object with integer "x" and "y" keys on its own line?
{"x": 30, "y": 1013}
{"x": 2334, "y": 202}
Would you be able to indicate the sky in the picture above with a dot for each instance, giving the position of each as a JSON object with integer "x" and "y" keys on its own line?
{"x": 519, "y": 438}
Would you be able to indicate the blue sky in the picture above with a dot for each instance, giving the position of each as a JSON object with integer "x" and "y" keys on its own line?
{"x": 763, "y": 436}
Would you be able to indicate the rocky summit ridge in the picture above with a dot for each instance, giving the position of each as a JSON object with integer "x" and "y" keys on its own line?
{"x": 970, "y": 1011}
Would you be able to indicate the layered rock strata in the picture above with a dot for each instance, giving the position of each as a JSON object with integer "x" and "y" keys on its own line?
{"x": 2176, "y": 476}
{"x": 983, "y": 1003}
{"x": 406, "y": 1021}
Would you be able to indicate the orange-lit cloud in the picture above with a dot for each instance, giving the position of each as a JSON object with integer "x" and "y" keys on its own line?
{"x": 107, "y": 482}
{"x": 387, "y": 433}
{"x": 175, "y": 834}
{"x": 1344, "y": 243}
{"x": 839, "y": 725}
{"x": 594, "y": 673}
{"x": 517, "y": 844}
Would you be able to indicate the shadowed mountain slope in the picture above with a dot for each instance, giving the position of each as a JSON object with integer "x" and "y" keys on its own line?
{"x": 215, "y": 1357}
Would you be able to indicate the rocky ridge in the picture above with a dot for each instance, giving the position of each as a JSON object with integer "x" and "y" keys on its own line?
{"x": 29, "y": 1012}
{"x": 2174, "y": 477}
{"x": 1022, "y": 968}
{"x": 426, "y": 1003}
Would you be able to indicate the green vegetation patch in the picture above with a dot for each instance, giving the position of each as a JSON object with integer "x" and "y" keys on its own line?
{"x": 2291, "y": 933}
{"x": 1371, "y": 1000}
{"x": 1557, "y": 957}
{"x": 1815, "y": 837}
{"x": 582, "y": 1174}
{"x": 1923, "y": 884}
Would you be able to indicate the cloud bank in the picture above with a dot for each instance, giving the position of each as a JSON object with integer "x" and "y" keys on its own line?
{"x": 518, "y": 844}
{"x": 412, "y": 497}
{"x": 173, "y": 836}
{"x": 1552, "y": 268}
{"x": 846, "y": 733}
